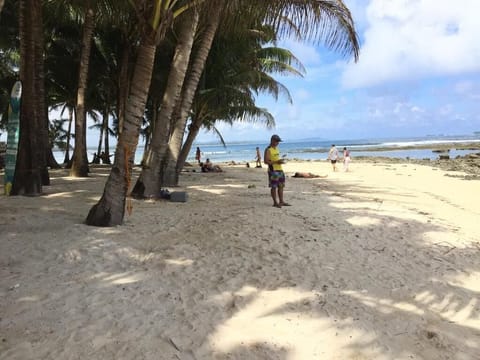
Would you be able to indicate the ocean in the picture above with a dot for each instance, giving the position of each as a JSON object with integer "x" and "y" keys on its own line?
{"x": 309, "y": 149}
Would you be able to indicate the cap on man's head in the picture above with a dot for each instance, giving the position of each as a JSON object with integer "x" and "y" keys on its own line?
{"x": 275, "y": 138}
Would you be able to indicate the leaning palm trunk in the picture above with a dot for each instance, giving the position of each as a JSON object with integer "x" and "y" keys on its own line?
{"x": 178, "y": 156}
{"x": 106, "y": 136}
{"x": 187, "y": 145}
{"x": 110, "y": 210}
{"x": 150, "y": 182}
{"x": 66, "y": 160}
{"x": 100, "y": 140}
{"x": 80, "y": 161}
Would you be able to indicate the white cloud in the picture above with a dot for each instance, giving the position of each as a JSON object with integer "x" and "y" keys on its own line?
{"x": 411, "y": 39}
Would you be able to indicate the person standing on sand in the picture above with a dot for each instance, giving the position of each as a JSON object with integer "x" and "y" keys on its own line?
{"x": 198, "y": 155}
{"x": 333, "y": 157}
{"x": 346, "y": 158}
{"x": 276, "y": 176}
{"x": 258, "y": 158}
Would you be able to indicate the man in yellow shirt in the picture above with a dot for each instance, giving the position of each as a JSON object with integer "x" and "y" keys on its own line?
{"x": 276, "y": 176}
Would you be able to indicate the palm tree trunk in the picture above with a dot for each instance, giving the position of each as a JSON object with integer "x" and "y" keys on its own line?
{"x": 123, "y": 85}
{"x": 100, "y": 137}
{"x": 80, "y": 161}
{"x": 110, "y": 210}
{"x": 66, "y": 160}
{"x": 40, "y": 98}
{"x": 105, "y": 134}
{"x": 187, "y": 145}
{"x": 150, "y": 180}
{"x": 177, "y": 158}
{"x": 27, "y": 178}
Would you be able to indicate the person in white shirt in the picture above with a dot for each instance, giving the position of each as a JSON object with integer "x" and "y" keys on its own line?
{"x": 333, "y": 157}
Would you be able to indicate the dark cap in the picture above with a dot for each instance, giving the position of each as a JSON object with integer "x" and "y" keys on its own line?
{"x": 275, "y": 138}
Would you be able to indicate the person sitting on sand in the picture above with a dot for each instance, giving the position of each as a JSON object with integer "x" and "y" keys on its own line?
{"x": 308, "y": 175}
{"x": 207, "y": 166}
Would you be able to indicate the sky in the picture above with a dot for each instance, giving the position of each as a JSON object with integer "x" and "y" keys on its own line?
{"x": 418, "y": 74}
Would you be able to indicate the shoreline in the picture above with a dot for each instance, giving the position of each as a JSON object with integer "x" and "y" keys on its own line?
{"x": 436, "y": 147}
{"x": 469, "y": 164}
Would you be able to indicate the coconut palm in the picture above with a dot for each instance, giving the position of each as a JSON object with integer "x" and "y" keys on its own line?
{"x": 318, "y": 20}
{"x": 284, "y": 16}
{"x": 79, "y": 166}
{"x": 160, "y": 138}
{"x": 231, "y": 97}
{"x": 30, "y": 160}
{"x": 156, "y": 17}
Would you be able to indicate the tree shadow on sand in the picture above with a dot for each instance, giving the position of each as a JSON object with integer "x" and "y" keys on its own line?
{"x": 350, "y": 281}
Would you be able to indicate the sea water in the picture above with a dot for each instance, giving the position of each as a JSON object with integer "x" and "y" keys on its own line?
{"x": 318, "y": 149}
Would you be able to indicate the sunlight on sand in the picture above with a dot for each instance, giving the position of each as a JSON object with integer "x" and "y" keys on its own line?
{"x": 363, "y": 221}
{"x": 470, "y": 281}
{"x": 443, "y": 237}
{"x": 218, "y": 189}
{"x": 276, "y": 320}
{"x": 118, "y": 279}
{"x": 29, "y": 299}
{"x": 385, "y": 306}
{"x": 179, "y": 262}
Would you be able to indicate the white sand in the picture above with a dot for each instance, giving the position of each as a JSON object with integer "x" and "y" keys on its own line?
{"x": 382, "y": 262}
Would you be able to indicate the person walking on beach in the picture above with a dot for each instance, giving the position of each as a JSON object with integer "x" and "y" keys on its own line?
{"x": 198, "y": 155}
{"x": 258, "y": 158}
{"x": 333, "y": 157}
{"x": 276, "y": 176}
{"x": 346, "y": 158}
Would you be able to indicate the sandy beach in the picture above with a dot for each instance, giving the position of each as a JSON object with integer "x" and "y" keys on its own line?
{"x": 382, "y": 262}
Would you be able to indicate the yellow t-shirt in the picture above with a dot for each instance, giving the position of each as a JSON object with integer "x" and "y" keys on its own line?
{"x": 274, "y": 156}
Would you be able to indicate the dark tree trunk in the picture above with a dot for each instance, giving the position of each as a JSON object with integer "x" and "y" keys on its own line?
{"x": 123, "y": 85}
{"x": 100, "y": 139}
{"x": 187, "y": 145}
{"x": 80, "y": 161}
{"x": 28, "y": 179}
{"x": 175, "y": 161}
{"x": 40, "y": 98}
{"x": 110, "y": 210}
{"x": 158, "y": 152}
{"x": 66, "y": 160}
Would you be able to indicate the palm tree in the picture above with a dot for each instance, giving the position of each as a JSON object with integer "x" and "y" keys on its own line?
{"x": 80, "y": 161}
{"x": 165, "y": 171}
{"x": 161, "y": 134}
{"x": 318, "y": 20}
{"x": 28, "y": 171}
{"x": 156, "y": 17}
{"x": 231, "y": 97}
{"x": 57, "y": 134}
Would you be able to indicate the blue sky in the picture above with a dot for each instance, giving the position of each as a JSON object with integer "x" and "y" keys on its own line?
{"x": 418, "y": 74}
